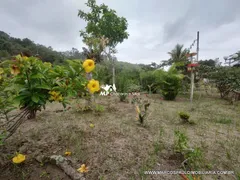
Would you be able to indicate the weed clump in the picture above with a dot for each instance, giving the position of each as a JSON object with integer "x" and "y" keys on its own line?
{"x": 184, "y": 116}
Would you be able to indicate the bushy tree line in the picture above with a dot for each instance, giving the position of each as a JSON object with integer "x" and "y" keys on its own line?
{"x": 10, "y": 46}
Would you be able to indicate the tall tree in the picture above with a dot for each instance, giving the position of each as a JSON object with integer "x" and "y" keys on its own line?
{"x": 105, "y": 29}
{"x": 103, "y": 22}
{"x": 178, "y": 54}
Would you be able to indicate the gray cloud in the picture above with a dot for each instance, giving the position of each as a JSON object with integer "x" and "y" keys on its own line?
{"x": 155, "y": 27}
{"x": 203, "y": 16}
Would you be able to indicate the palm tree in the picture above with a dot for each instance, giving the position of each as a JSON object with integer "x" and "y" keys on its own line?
{"x": 178, "y": 54}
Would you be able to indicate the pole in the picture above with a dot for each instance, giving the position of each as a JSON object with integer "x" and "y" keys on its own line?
{"x": 197, "y": 45}
{"x": 192, "y": 73}
{"x": 113, "y": 70}
{"x": 192, "y": 82}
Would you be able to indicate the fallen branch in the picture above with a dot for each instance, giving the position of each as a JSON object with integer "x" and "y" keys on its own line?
{"x": 63, "y": 164}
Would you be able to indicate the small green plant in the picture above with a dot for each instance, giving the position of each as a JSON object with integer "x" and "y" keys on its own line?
{"x": 83, "y": 108}
{"x": 142, "y": 110}
{"x": 181, "y": 142}
{"x": 194, "y": 158}
{"x": 184, "y": 116}
{"x": 44, "y": 174}
{"x": 99, "y": 108}
{"x": 224, "y": 121}
{"x": 122, "y": 97}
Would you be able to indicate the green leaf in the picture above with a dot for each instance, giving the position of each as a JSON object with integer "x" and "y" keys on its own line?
{"x": 37, "y": 76}
{"x": 24, "y": 92}
{"x": 13, "y": 87}
{"x": 43, "y": 86}
{"x": 35, "y": 98}
{"x": 19, "y": 98}
{"x": 73, "y": 71}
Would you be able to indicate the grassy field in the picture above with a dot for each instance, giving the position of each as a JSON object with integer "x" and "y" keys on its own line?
{"x": 119, "y": 148}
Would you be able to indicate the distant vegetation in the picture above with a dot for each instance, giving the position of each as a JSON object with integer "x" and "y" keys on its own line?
{"x": 140, "y": 77}
{"x": 10, "y": 46}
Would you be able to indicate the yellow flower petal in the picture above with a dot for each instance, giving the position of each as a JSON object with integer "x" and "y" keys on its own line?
{"x": 93, "y": 86}
{"x": 88, "y": 65}
{"x": 68, "y": 153}
{"x": 83, "y": 169}
{"x": 19, "y": 158}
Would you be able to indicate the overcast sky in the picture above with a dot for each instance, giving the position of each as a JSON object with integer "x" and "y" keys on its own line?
{"x": 155, "y": 26}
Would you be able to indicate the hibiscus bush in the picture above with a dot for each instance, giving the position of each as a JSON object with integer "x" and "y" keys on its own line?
{"x": 32, "y": 83}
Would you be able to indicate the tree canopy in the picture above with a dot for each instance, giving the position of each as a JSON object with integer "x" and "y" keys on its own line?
{"x": 103, "y": 22}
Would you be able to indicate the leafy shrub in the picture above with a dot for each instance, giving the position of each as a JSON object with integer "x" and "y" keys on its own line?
{"x": 169, "y": 82}
{"x": 170, "y": 87}
{"x": 6, "y": 94}
{"x": 148, "y": 81}
{"x": 226, "y": 79}
{"x": 32, "y": 83}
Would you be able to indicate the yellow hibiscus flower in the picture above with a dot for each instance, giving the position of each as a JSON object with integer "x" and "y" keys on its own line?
{"x": 83, "y": 169}
{"x": 93, "y": 86}
{"x": 15, "y": 70}
{"x": 19, "y": 158}
{"x": 88, "y": 65}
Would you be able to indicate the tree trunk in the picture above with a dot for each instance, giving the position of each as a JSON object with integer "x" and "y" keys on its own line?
{"x": 113, "y": 70}
{"x": 91, "y": 98}
{"x": 32, "y": 114}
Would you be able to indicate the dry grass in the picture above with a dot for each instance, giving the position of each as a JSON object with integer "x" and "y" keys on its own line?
{"x": 118, "y": 147}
